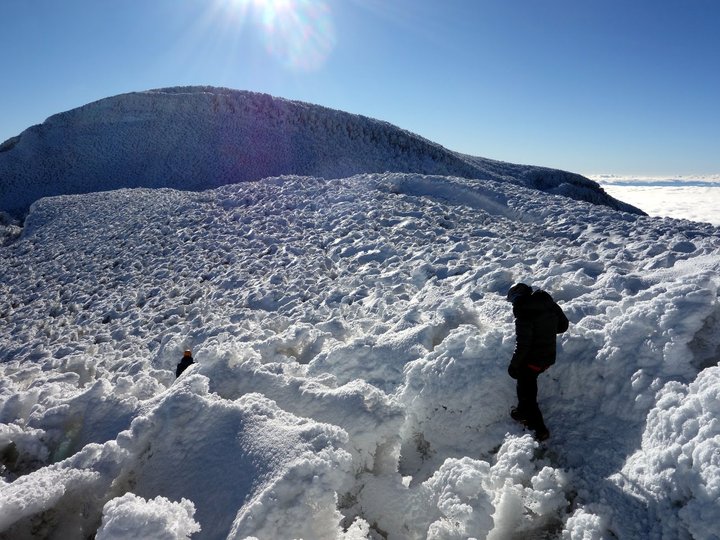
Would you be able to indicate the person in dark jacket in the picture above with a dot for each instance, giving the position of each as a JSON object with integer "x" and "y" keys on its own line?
{"x": 185, "y": 363}
{"x": 537, "y": 321}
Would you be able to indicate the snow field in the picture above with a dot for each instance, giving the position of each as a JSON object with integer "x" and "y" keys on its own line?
{"x": 352, "y": 339}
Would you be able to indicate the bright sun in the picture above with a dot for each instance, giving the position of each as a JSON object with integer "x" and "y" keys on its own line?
{"x": 266, "y": 8}
{"x": 273, "y": 4}
{"x": 299, "y": 33}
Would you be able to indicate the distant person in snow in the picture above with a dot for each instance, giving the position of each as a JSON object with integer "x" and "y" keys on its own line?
{"x": 185, "y": 363}
{"x": 537, "y": 321}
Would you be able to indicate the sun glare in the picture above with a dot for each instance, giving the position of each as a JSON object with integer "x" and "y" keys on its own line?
{"x": 298, "y": 33}
{"x": 272, "y": 4}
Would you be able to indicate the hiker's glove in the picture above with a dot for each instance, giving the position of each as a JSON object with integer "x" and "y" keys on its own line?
{"x": 513, "y": 371}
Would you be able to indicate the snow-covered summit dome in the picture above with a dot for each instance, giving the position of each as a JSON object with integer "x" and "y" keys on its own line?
{"x": 195, "y": 138}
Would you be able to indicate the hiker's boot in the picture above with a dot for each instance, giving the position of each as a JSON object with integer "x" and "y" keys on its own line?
{"x": 517, "y": 415}
{"x": 542, "y": 434}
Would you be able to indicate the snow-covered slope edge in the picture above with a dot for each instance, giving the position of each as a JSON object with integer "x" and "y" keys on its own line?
{"x": 352, "y": 339}
{"x": 195, "y": 138}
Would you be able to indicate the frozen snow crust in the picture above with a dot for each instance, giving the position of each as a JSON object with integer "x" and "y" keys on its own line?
{"x": 351, "y": 339}
{"x": 195, "y": 138}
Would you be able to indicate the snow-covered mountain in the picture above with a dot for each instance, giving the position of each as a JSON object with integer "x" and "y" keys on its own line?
{"x": 351, "y": 338}
{"x": 195, "y": 138}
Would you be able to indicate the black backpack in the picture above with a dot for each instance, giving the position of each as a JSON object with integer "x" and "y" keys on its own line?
{"x": 562, "y": 323}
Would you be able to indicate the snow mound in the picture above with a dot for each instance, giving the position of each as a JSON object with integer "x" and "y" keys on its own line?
{"x": 351, "y": 339}
{"x": 278, "y": 469}
{"x": 195, "y": 138}
{"x": 130, "y": 517}
{"x": 678, "y": 463}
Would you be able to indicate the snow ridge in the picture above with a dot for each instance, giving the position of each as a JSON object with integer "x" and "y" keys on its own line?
{"x": 195, "y": 138}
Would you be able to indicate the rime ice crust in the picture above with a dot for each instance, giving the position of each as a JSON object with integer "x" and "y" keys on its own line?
{"x": 196, "y": 138}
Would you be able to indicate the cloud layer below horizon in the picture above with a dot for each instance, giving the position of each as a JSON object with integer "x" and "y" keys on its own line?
{"x": 693, "y": 198}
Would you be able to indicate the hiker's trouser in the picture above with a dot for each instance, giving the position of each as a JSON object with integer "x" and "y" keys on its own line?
{"x": 527, "y": 398}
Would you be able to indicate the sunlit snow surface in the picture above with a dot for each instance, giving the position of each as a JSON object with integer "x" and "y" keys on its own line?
{"x": 352, "y": 340}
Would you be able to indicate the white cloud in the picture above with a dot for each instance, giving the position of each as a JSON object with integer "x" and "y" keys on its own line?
{"x": 634, "y": 180}
{"x": 694, "y": 202}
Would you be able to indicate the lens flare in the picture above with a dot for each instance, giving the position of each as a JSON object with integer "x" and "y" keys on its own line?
{"x": 298, "y": 33}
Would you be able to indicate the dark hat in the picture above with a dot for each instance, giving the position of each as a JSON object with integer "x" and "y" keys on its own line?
{"x": 518, "y": 290}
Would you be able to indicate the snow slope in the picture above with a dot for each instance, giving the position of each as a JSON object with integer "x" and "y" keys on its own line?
{"x": 195, "y": 138}
{"x": 352, "y": 338}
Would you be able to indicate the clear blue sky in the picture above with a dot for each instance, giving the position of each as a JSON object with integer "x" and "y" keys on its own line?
{"x": 592, "y": 86}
